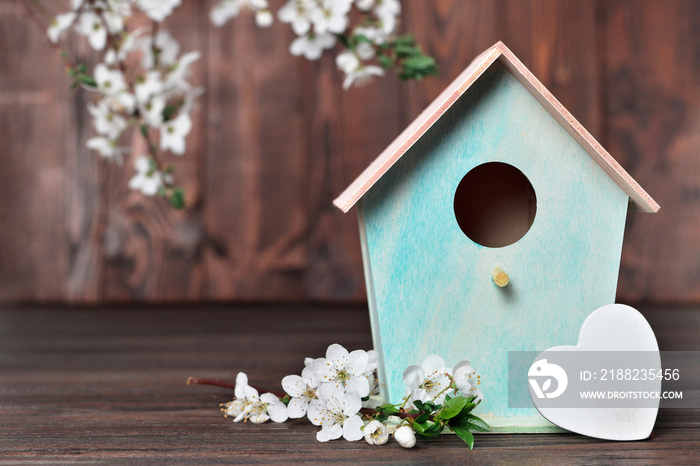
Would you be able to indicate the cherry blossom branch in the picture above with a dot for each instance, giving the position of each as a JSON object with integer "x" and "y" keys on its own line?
{"x": 219, "y": 383}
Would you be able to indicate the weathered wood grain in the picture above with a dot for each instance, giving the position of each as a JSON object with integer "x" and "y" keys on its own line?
{"x": 346, "y": 131}
{"x": 105, "y": 386}
{"x": 653, "y": 99}
{"x": 41, "y": 251}
{"x": 256, "y": 212}
{"x": 454, "y": 32}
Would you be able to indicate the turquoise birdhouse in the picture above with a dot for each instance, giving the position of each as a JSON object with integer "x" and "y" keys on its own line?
{"x": 493, "y": 223}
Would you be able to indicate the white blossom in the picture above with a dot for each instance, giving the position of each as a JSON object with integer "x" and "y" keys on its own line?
{"x": 312, "y": 46}
{"x": 174, "y": 132}
{"x": 341, "y": 370}
{"x": 226, "y": 9}
{"x": 303, "y": 391}
{"x": 376, "y": 433}
{"x": 147, "y": 179}
{"x": 148, "y": 86}
{"x": 376, "y": 35}
{"x": 152, "y": 111}
{"x": 405, "y": 436}
{"x": 364, "y": 5}
{"x": 361, "y": 76}
{"x": 338, "y": 417}
{"x": 264, "y": 18}
{"x": 253, "y": 407}
{"x": 168, "y": 49}
{"x": 364, "y": 51}
{"x": 466, "y": 381}
{"x": 123, "y": 101}
{"x": 107, "y": 122}
{"x": 355, "y": 71}
{"x": 347, "y": 61}
{"x": 115, "y": 14}
{"x": 91, "y": 26}
{"x": 331, "y": 16}
{"x": 387, "y": 11}
{"x": 429, "y": 381}
{"x": 107, "y": 148}
{"x": 109, "y": 81}
{"x": 177, "y": 77}
{"x": 298, "y": 13}
{"x": 59, "y": 25}
{"x": 158, "y": 10}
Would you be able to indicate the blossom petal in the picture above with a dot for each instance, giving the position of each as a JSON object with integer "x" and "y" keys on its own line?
{"x": 259, "y": 418}
{"x": 317, "y": 413}
{"x": 251, "y": 394}
{"x": 310, "y": 377}
{"x": 330, "y": 433}
{"x": 358, "y": 362}
{"x": 419, "y": 394}
{"x": 269, "y": 398}
{"x": 358, "y": 384}
{"x": 335, "y": 351}
{"x": 352, "y": 403}
{"x": 325, "y": 390}
{"x": 297, "y": 408}
{"x": 293, "y": 385}
{"x": 352, "y": 428}
{"x": 277, "y": 411}
{"x": 413, "y": 376}
{"x": 241, "y": 381}
{"x": 433, "y": 363}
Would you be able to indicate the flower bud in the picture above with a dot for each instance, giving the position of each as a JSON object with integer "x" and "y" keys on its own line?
{"x": 405, "y": 436}
{"x": 376, "y": 433}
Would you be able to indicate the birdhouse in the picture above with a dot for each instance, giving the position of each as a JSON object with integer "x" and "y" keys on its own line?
{"x": 493, "y": 223}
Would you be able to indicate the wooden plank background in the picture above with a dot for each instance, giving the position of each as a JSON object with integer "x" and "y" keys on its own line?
{"x": 275, "y": 139}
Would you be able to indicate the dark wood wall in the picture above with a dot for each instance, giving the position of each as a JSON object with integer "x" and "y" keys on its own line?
{"x": 275, "y": 139}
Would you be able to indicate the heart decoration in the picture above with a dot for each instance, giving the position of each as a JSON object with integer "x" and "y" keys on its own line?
{"x": 615, "y": 327}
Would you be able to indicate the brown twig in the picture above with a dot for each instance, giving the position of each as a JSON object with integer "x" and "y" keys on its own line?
{"x": 219, "y": 383}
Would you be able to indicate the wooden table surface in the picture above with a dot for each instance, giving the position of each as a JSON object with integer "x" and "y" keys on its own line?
{"x": 107, "y": 385}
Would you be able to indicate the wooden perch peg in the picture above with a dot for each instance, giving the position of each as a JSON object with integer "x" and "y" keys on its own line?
{"x": 500, "y": 277}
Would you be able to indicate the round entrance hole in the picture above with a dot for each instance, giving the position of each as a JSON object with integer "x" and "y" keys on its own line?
{"x": 495, "y": 204}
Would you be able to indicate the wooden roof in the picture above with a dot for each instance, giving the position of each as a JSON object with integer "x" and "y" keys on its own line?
{"x": 638, "y": 197}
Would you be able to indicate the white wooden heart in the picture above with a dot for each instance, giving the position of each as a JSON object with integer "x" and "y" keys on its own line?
{"x": 615, "y": 327}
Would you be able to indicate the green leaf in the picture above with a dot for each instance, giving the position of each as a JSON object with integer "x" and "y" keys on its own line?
{"x": 385, "y": 61}
{"x": 144, "y": 131}
{"x": 418, "y": 428}
{"x": 418, "y": 404}
{"x": 478, "y": 424}
{"x": 360, "y": 38}
{"x": 406, "y": 39}
{"x": 422, "y": 418}
{"x": 421, "y": 62}
{"x": 429, "y": 407}
{"x": 87, "y": 80}
{"x": 464, "y": 434}
{"x": 388, "y": 408}
{"x": 169, "y": 111}
{"x": 345, "y": 41}
{"x": 452, "y": 408}
{"x": 405, "y": 51}
{"x": 435, "y": 429}
{"x": 177, "y": 198}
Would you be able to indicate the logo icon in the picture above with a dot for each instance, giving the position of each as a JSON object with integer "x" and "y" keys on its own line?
{"x": 541, "y": 369}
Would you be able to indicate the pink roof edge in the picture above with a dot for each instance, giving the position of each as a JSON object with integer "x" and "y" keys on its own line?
{"x": 638, "y": 197}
